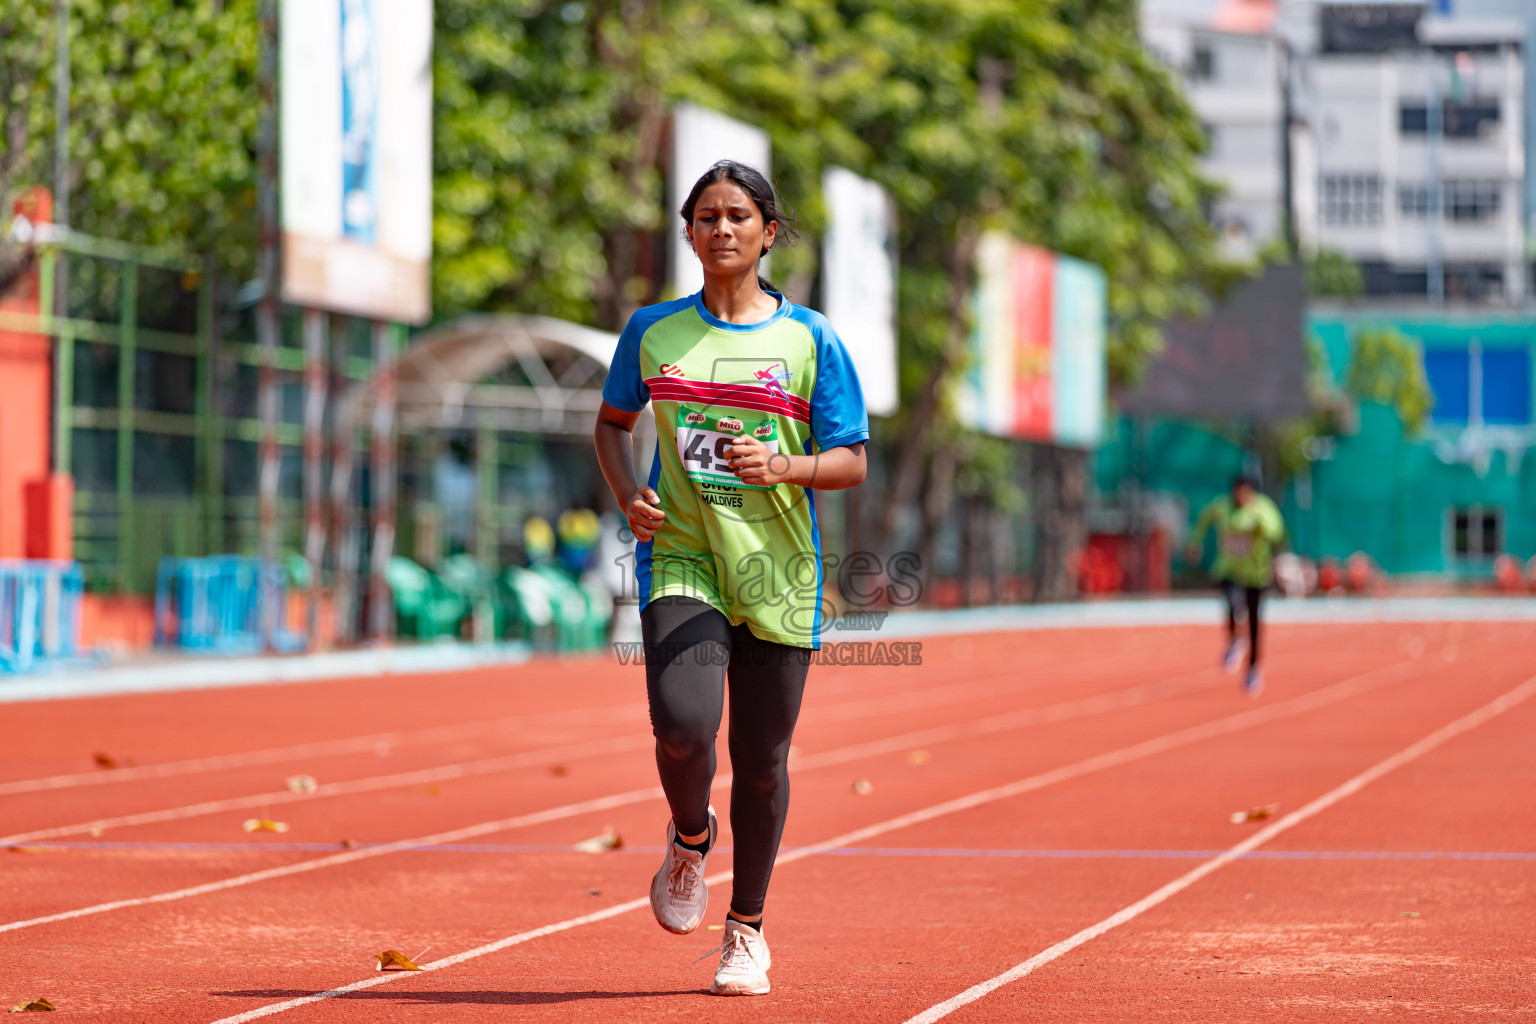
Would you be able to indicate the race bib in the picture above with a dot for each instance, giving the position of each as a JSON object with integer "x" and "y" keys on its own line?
{"x": 1236, "y": 545}
{"x": 704, "y": 440}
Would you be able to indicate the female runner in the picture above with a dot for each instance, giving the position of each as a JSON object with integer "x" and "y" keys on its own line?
{"x": 756, "y": 403}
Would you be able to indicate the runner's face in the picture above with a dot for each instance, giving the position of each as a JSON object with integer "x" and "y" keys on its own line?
{"x": 728, "y": 232}
{"x": 1242, "y": 494}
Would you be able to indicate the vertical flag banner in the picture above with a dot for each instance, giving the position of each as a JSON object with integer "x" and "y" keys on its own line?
{"x": 356, "y": 175}
{"x": 859, "y": 280}
{"x": 1037, "y": 350}
{"x": 701, "y": 138}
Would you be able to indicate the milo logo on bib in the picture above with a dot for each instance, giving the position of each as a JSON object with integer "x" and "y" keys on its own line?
{"x": 705, "y": 452}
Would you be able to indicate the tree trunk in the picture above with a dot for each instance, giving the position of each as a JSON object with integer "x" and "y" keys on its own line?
{"x": 1061, "y": 483}
{"x": 937, "y": 500}
{"x": 907, "y": 473}
{"x": 644, "y": 113}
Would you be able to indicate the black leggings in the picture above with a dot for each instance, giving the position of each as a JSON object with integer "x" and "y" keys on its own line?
{"x": 1238, "y": 595}
{"x": 690, "y": 653}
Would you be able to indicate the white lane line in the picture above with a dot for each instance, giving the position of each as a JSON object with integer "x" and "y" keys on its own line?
{"x": 885, "y": 703}
{"x": 328, "y": 748}
{"x": 1132, "y": 696}
{"x": 443, "y": 773}
{"x": 486, "y": 766}
{"x": 1435, "y": 739}
{"x": 1184, "y": 737}
{"x": 352, "y": 856}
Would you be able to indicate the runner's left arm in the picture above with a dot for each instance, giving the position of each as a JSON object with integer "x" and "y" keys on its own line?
{"x": 832, "y": 470}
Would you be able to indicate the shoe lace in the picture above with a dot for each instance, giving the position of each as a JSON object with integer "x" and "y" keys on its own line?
{"x": 682, "y": 879}
{"x": 736, "y": 944}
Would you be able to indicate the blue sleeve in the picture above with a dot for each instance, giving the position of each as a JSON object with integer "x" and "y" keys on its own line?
{"x": 625, "y": 388}
{"x": 838, "y": 416}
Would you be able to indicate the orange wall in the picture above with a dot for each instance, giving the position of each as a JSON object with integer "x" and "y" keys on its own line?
{"x": 26, "y": 388}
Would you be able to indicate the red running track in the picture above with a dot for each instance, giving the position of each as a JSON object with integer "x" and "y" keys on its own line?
{"x": 1068, "y": 776}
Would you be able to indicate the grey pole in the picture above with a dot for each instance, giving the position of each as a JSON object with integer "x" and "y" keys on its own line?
{"x": 1435, "y": 140}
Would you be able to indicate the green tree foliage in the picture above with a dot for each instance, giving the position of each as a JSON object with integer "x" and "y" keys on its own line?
{"x": 1331, "y": 274}
{"x": 1385, "y": 366}
{"x": 163, "y": 118}
{"x": 25, "y": 61}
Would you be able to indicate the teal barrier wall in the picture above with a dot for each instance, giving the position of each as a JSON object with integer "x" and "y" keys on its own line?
{"x": 1390, "y": 495}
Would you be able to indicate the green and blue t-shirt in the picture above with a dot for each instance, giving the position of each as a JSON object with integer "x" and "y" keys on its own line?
{"x": 751, "y": 552}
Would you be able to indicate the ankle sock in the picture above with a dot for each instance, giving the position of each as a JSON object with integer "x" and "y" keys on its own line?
{"x": 758, "y": 924}
{"x": 700, "y": 848}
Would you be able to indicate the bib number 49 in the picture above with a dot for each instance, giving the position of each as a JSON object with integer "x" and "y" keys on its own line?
{"x": 704, "y": 441}
{"x": 698, "y": 451}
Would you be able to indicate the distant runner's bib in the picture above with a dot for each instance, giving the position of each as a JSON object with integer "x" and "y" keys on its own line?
{"x": 1236, "y": 545}
{"x": 704, "y": 440}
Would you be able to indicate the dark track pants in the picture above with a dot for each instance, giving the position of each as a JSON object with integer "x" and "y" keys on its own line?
{"x": 691, "y": 653}
{"x": 1239, "y": 596}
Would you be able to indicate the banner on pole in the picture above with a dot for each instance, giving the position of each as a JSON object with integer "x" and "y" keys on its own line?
{"x": 356, "y": 174}
{"x": 700, "y": 139}
{"x": 859, "y": 280}
{"x": 1037, "y": 368}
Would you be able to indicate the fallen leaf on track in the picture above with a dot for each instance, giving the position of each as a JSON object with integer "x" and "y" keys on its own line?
{"x": 559, "y": 771}
{"x": 393, "y": 960}
{"x": 863, "y": 787}
{"x": 1255, "y": 814}
{"x": 609, "y": 840}
{"x": 27, "y": 848}
{"x": 103, "y": 760}
{"x": 38, "y": 1005}
{"x": 1409, "y": 913}
{"x": 715, "y": 927}
{"x": 434, "y": 790}
{"x": 594, "y": 892}
{"x": 919, "y": 757}
{"x": 301, "y": 783}
{"x": 349, "y": 844}
{"x": 265, "y": 825}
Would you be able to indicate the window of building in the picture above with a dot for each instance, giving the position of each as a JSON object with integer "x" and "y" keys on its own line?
{"x": 1477, "y": 532}
{"x": 1507, "y": 386}
{"x": 1471, "y": 119}
{"x": 1491, "y": 386}
{"x": 1450, "y": 378}
{"x": 1202, "y": 63}
{"x": 1471, "y": 200}
{"x": 1462, "y": 200}
{"x": 1351, "y": 199}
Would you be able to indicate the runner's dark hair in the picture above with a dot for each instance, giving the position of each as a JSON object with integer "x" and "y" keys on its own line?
{"x": 756, "y": 185}
{"x": 1246, "y": 479}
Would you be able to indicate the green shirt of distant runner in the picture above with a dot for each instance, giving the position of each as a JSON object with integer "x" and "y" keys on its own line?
{"x": 1247, "y": 537}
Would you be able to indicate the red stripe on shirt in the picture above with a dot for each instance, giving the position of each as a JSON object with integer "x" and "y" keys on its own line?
{"x": 674, "y": 390}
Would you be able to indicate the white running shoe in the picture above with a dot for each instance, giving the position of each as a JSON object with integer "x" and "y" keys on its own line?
{"x": 1234, "y": 656}
{"x": 744, "y": 962}
{"x": 1253, "y": 683}
{"x": 679, "y": 896}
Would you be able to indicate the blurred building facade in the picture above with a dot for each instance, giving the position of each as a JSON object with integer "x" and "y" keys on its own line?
{"x": 1383, "y": 151}
{"x": 1236, "y": 82}
{"x": 1320, "y": 115}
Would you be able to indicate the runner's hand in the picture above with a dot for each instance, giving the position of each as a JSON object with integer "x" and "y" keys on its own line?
{"x": 643, "y": 515}
{"x": 755, "y": 464}
{"x": 1191, "y": 554}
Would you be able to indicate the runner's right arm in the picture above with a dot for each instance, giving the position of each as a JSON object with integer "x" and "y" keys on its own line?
{"x": 614, "y": 440}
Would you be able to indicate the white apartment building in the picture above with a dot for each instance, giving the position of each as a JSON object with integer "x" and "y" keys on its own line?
{"x": 1235, "y": 82}
{"x": 1365, "y": 96}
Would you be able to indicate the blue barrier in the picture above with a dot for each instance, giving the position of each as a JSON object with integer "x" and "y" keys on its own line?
{"x": 215, "y": 604}
{"x": 39, "y": 614}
